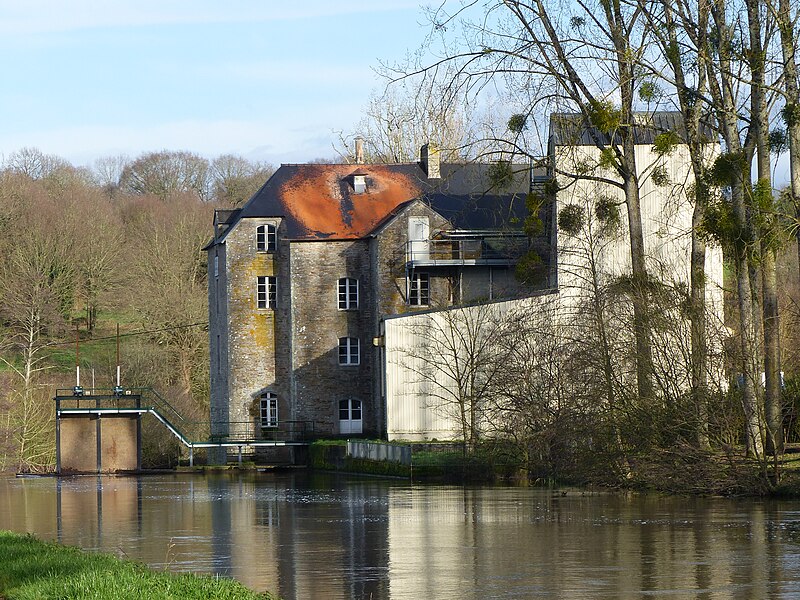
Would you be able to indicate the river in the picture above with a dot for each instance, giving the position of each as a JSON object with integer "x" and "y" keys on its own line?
{"x": 332, "y": 536}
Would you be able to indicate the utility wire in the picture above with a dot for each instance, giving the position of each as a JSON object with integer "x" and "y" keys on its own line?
{"x": 129, "y": 334}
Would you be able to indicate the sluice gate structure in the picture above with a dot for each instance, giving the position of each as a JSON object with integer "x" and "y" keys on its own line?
{"x": 100, "y": 431}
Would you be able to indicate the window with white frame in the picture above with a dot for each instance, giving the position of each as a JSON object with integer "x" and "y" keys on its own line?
{"x": 266, "y": 238}
{"x": 350, "y": 416}
{"x": 348, "y": 293}
{"x": 266, "y": 292}
{"x": 419, "y": 289}
{"x": 349, "y": 351}
{"x": 269, "y": 410}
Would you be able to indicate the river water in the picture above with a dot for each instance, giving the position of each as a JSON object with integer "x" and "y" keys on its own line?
{"x": 332, "y": 536}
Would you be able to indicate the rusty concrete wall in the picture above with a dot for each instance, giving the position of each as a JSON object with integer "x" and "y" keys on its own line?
{"x": 118, "y": 450}
{"x": 78, "y": 444}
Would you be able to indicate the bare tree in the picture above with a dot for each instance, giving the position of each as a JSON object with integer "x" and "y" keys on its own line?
{"x": 165, "y": 174}
{"x": 454, "y": 361}
{"x": 33, "y": 163}
{"x": 36, "y": 283}
{"x": 235, "y": 179}
{"x": 786, "y": 16}
{"x": 410, "y": 114}
{"x": 538, "y": 45}
{"x": 97, "y": 258}
{"x": 169, "y": 275}
{"x": 108, "y": 172}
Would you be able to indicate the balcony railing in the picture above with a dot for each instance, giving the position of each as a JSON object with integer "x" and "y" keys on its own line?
{"x": 486, "y": 250}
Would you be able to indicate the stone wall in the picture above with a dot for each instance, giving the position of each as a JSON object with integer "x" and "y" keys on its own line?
{"x": 218, "y": 337}
{"x": 319, "y": 382}
{"x": 244, "y": 337}
{"x": 388, "y": 258}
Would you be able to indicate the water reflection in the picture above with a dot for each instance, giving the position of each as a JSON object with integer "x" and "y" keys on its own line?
{"x": 319, "y": 536}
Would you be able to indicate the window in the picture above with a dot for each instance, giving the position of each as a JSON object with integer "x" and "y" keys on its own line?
{"x": 348, "y": 351}
{"x": 418, "y": 239}
{"x": 419, "y": 289}
{"x": 349, "y": 416}
{"x": 348, "y": 293}
{"x": 266, "y": 238}
{"x": 216, "y": 266}
{"x": 269, "y": 410}
{"x": 359, "y": 184}
{"x": 267, "y": 292}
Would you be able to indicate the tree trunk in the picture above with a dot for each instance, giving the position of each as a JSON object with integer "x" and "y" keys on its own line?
{"x": 759, "y": 125}
{"x": 772, "y": 369}
{"x": 630, "y": 182}
{"x": 697, "y": 318}
{"x": 728, "y": 119}
{"x": 691, "y": 112}
{"x": 791, "y": 86}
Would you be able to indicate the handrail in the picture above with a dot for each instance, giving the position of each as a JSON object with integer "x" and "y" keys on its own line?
{"x": 171, "y": 427}
{"x": 147, "y": 400}
{"x": 119, "y": 394}
{"x": 466, "y": 249}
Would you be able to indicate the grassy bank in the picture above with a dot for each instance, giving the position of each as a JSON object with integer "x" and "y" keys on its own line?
{"x": 30, "y": 569}
{"x": 430, "y": 462}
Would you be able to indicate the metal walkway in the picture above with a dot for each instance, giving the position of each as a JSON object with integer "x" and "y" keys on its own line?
{"x": 142, "y": 401}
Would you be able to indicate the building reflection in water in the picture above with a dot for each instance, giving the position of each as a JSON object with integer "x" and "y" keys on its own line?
{"x": 321, "y": 536}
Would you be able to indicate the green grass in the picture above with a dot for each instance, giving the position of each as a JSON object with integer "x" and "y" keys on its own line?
{"x": 30, "y": 569}
{"x": 329, "y": 443}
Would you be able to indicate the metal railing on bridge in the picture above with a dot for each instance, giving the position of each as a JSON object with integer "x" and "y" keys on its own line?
{"x": 192, "y": 434}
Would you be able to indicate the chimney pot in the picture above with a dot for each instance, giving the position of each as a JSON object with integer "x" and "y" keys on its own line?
{"x": 359, "y": 150}
{"x": 429, "y": 157}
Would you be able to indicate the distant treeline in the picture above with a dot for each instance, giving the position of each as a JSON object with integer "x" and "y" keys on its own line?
{"x": 82, "y": 250}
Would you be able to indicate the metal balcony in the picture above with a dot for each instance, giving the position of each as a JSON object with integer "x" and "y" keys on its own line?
{"x": 476, "y": 249}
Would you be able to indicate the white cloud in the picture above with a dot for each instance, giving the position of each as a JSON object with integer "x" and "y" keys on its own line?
{"x": 276, "y": 140}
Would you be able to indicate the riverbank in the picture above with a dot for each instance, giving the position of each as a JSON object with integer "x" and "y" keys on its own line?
{"x": 30, "y": 568}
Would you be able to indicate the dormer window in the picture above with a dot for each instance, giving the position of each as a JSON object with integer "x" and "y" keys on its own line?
{"x": 266, "y": 238}
{"x": 359, "y": 184}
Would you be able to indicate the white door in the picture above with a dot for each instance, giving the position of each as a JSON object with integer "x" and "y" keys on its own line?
{"x": 349, "y": 416}
{"x": 418, "y": 234}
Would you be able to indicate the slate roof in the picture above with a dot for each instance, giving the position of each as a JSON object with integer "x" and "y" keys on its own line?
{"x": 318, "y": 201}
{"x": 572, "y": 129}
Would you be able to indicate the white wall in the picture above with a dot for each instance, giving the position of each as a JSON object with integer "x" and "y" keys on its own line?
{"x": 415, "y": 408}
{"x": 413, "y": 413}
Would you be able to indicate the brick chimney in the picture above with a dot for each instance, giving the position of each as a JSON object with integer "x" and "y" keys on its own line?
{"x": 359, "y": 150}
{"x": 429, "y": 157}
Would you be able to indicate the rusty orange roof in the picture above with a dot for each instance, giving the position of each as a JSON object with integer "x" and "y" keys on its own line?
{"x": 323, "y": 201}
{"x": 320, "y": 201}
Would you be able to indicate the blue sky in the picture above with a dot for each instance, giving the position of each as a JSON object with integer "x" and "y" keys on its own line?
{"x": 268, "y": 80}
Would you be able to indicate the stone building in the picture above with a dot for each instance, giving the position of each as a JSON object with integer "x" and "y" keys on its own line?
{"x": 302, "y": 275}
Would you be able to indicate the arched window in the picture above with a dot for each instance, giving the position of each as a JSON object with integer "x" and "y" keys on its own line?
{"x": 266, "y": 238}
{"x": 269, "y": 410}
{"x": 350, "y": 416}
